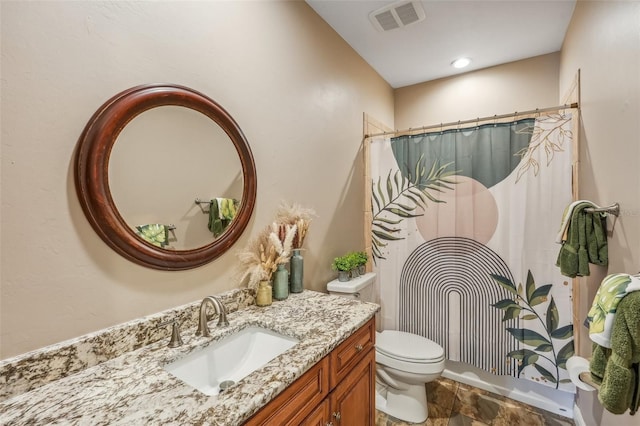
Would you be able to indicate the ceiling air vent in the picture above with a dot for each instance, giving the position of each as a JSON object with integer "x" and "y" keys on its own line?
{"x": 397, "y": 15}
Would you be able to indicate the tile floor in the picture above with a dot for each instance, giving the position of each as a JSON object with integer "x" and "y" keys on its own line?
{"x": 456, "y": 404}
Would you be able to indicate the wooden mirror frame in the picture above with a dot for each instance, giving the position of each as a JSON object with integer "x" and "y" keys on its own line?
{"x": 92, "y": 175}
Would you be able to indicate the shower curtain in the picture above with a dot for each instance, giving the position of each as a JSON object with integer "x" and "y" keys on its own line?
{"x": 463, "y": 232}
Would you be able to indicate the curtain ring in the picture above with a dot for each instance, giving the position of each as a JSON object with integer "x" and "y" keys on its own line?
{"x": 477, "y": 123}
{"x": 458, "y": 129}
{"x": 495, "y": 120}
{"x": 441, "y": 131}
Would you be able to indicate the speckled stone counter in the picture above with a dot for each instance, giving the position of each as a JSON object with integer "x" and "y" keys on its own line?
{"x": 133, "y": 388}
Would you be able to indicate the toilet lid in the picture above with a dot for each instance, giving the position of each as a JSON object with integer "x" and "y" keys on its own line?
{"x": 408, "y": 346}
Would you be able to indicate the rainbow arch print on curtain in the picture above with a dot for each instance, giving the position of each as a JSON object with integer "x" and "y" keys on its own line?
{"x": 463, "y": 239}
{"x": 442, "y": 282}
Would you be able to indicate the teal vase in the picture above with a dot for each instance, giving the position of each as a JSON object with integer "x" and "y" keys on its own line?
{"x": 281, "y": 283}
{"x": 296, "y": 265}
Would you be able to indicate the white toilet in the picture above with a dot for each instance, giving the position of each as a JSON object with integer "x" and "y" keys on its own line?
{"x": 404, "y": 361}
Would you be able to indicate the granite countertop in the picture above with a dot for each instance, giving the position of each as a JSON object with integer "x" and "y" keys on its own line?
{"x": 133, "y": 388}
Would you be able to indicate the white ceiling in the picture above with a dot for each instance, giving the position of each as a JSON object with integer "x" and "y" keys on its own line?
{"x": 490, "y": 32}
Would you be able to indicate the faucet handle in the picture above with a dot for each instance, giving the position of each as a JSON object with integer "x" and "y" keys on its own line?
{"x": 176, "y": 340}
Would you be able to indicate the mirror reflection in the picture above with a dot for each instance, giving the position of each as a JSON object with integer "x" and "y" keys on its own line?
{"x": 164, "y": 160}
{"x": 158, "y": 179}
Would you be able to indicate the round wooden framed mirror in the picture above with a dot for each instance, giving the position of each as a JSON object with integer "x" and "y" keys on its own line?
{"x": 93, "y": 153}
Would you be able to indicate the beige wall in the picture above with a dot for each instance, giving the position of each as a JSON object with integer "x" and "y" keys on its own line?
{"x": 298, "y": 92}
{"x": 603, "y": 41}
{"x": 296, "y": 89}
{"x": 517, "y": 86}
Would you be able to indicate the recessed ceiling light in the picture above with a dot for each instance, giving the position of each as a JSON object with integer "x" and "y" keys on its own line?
{"x": 461, "y": 63}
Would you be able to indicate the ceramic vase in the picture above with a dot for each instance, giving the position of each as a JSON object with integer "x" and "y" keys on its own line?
{"x": 296, "y": 266}
{"x": 281, "y": 283}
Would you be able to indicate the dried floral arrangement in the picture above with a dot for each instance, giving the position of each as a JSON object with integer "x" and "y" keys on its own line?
{"x": 295, "y": 214}
{"x": 274, "y": 244}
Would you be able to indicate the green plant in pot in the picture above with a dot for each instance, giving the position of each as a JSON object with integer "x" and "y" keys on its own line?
{"x": 360, "y": 260}
{"x": 353, "y": 261}
{"x": 343, "y": 265}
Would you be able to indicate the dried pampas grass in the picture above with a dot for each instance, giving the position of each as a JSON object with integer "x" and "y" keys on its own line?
{"x": 263, "y": 254}
{"x": 274, "y": 244}
{"x": 255, "y": 261}
{"x": 295, "y": 214}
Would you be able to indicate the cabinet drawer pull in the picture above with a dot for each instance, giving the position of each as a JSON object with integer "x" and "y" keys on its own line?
{"x": 359, "y": 348}
{"x": 337, "y": 415}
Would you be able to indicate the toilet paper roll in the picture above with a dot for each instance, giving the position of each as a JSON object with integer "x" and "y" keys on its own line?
{"x": 575, "y": 366}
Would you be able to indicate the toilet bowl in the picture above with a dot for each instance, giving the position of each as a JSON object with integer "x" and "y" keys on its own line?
{"x": 405, "y": 362}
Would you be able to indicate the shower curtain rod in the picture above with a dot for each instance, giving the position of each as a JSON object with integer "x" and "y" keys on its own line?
{"x": 476, "y": 120}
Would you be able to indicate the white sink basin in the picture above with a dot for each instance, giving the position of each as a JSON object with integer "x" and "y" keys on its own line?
{"x": 230, "y": 360}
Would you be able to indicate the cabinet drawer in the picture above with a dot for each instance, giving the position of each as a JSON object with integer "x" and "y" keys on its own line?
{"x": 298, "y": 400}
{"x": 346, "y": 356}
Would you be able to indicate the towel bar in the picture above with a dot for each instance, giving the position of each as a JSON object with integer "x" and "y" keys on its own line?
{"x": 613, "y": 209}
{"x": 200, "y": 203}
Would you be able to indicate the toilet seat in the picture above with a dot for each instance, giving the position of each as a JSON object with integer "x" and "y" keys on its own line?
{"x": 408, "y": 347}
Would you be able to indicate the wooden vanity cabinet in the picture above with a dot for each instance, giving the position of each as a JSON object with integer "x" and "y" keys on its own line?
{"x": 297, "y": 401}
{"x": 338, "y": 390}
{"x": 352, "y": 402}
{"x": 319, "y": 417}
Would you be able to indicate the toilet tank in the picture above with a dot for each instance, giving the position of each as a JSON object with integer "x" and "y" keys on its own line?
{"x": 360, "y": 288}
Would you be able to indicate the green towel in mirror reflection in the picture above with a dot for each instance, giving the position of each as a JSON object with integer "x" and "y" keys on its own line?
{"x": 154, "y": 233}
{"x": 221, "y": 213}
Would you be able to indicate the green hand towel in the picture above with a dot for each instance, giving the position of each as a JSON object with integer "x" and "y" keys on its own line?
{"x": 215, "y": 223}
{"x": 596, "y": 239}
{"x": 586, "y": 243}
{"x": 570, "y": 257}
{"x": 616, "y": 369}
{"x": 592, "y": 244}
{"x": 154, "y": 233}
{"x": 583, "y": 254}
{"x": 221, "y": 213}
{"x": 600, "y": 234}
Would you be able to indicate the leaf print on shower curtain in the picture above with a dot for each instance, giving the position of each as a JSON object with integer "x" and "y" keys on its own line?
{"x": 541, "y": 353}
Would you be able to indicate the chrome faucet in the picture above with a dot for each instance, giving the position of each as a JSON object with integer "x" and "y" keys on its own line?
{"x": 221, "y": 310}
